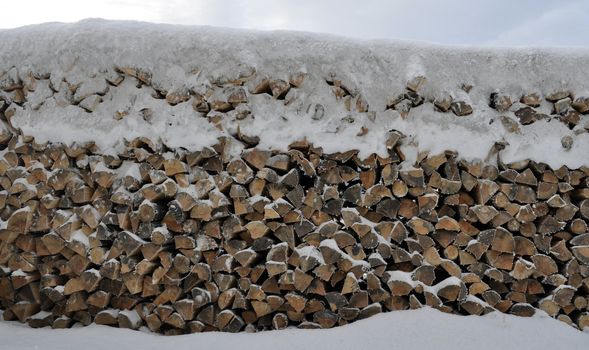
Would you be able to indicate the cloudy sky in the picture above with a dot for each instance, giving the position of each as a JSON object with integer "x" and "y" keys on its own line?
{"x": 464, "y": 22}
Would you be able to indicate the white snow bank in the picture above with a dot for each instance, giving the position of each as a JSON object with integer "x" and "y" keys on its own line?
{"x": 416, "y": 329}
{"x": 199, "y": 57}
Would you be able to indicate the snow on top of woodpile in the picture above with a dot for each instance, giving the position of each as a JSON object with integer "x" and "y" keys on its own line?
{"x": 191, "y": 60}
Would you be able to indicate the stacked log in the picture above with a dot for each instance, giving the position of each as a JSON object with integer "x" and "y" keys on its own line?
{"x": 183, "y": 242}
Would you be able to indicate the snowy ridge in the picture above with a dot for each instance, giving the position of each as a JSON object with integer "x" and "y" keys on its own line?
{"x": 399, "y": 330}
{"x": 179, "y": 58}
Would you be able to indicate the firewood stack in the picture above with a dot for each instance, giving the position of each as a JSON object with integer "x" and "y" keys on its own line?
{"x": 197, "y": 241}
{"x": 180, "y": 241}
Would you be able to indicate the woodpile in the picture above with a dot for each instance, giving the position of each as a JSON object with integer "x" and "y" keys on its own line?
{"x": 183, "y": 242}
{"x": 189, "y": 241}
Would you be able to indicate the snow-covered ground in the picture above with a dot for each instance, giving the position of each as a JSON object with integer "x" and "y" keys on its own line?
{"x": 415, "y": 329}
{"x": 198, "y": 58}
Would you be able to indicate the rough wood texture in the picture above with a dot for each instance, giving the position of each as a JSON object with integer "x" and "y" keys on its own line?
{"x": 190, "y": 242}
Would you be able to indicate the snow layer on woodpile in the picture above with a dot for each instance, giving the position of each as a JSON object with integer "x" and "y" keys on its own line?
{"x": 196, "y": 57}
{"x": 415, "y": 329}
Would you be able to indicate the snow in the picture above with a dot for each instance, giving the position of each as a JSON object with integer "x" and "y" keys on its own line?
{"x": 19, "y": 273}
{"x": 132, "y": 315}
{"x": 376, "y": 256}
{"x": 198, "y": 190}
{"x": 402, "y": 276}
{"x": 130, "y": 169}
{"x": 112, "y": 312}
{"x": 310, "y": 251}
{"x": 94, "y": 272}
{"x": 80, "y": 236}
{"x": 200, "y": 57}
{"x": 474, "y": 299}
{"x": 23, "y": 181}
{"x": 450, "y": 281}
{"x": 41, "y": 314}
{"x": 563, "y": 286}
{"x": 416, "y": 329}
{"x": 101, "y": 167}
{"x": 332, "y": 244}
{"x": 162, "y": 229}
{"x": 22, "y": 210}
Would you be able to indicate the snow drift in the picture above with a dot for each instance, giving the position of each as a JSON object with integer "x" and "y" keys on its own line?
{"x": 394, "y": 330}
{"x": 86, "y": 53}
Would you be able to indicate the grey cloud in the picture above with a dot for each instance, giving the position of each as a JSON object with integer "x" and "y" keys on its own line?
{"x": 462, "y": 22}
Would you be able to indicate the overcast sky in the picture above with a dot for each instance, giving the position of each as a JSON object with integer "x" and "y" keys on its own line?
{"x": 467, "y": 22}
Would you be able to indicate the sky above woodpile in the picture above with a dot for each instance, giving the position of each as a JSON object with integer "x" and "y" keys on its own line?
{"x": 462, "y": 22}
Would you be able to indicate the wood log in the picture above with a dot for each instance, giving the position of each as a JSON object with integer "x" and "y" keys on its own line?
{"x": 198, "y": 241}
